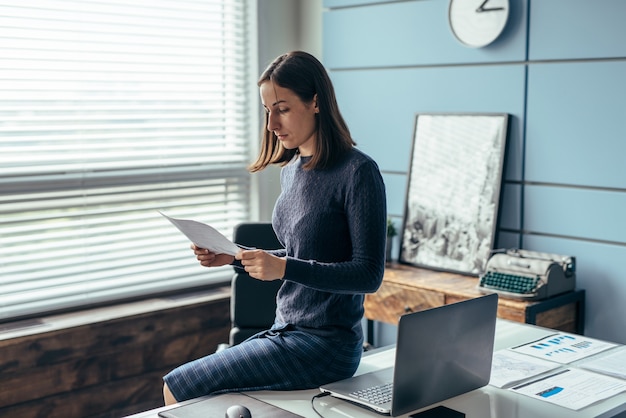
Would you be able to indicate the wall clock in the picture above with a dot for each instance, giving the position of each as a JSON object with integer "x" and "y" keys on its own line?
{"x": 477, "y": 23}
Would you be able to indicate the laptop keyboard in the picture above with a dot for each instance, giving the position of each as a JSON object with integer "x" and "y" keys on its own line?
{"x": 378, "y": 395}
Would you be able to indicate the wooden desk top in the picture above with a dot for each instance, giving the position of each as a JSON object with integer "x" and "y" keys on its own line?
{"x": 452, "y": 284}
{"x": 408, "y": 288}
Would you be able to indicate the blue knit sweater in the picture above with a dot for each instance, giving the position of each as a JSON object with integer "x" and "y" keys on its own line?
{"x": 332, "y": 224}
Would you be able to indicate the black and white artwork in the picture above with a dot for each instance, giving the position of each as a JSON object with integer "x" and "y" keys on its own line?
{"x": 453, "y": 191}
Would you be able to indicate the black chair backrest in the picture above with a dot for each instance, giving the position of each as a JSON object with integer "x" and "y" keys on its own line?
{"x": 256, "y": 234}
{"x": 253, "y": 302}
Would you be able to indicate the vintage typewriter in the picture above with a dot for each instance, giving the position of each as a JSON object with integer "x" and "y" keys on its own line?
{"x": 528, "y": 275}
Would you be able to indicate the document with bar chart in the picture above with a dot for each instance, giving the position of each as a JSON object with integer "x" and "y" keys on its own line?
{"x": 564, "y": 348}
{"x": 571, "y": 388}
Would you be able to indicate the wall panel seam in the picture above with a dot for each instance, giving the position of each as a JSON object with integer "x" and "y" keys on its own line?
{"x": 477, "y": 64}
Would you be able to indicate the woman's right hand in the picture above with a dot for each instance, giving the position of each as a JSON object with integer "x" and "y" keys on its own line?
{"x": 210, "y": 259}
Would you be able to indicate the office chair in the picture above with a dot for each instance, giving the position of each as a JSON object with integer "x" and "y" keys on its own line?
{"x": 253, "y": 302}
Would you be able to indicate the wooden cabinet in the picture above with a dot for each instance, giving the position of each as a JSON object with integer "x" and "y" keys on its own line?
{"x": 410, "y": 289}
{"x": 107, "y": 361}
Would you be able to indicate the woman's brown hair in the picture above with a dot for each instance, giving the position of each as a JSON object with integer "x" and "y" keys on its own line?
{"x": 303, "y": 74}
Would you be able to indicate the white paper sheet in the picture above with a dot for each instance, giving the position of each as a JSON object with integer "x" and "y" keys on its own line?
{"x": 509, "y": 368}
{"x": 204, "y": 236}
{"x": 571, "y": 388}
{"x": 612, "y": 363}
{"x": 564, "y": 348}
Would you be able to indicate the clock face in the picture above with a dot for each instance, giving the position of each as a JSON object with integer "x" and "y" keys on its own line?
{"x": 477, "y": 23}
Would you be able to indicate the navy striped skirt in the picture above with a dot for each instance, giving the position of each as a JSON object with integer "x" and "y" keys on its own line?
{"x": 271, "y": 360}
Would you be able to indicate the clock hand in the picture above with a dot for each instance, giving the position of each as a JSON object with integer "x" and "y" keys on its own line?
{"x": 482, "y": 8}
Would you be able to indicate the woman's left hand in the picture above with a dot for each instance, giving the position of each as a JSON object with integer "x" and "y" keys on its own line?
{"x": 262, "y": 265}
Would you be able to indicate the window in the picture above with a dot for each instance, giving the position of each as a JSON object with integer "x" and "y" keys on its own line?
{"x": 110, "y": 111}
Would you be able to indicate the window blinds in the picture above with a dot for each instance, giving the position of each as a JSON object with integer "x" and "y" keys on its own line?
{"x": 110, "y": 111}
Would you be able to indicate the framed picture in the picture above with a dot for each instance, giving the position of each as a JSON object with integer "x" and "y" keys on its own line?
{"x": 453, "y": 191}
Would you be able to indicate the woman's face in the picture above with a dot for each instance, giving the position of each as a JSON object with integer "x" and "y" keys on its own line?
{"x": 289, "y": 118}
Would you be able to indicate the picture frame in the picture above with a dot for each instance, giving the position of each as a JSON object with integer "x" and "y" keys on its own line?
{"x": 453, "y": 191}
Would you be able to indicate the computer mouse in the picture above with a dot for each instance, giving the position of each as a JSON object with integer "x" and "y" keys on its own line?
{"x": 238, "y": 411}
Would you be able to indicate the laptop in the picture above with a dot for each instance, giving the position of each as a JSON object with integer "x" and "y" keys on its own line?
{"x": 440, "y": 353}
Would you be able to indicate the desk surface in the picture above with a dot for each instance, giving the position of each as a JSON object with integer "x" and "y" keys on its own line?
{"x": 407, "y": 288}
{"x": 485, "y": 402}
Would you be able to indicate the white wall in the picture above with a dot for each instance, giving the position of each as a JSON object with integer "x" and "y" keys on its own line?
{"x": 283, "y": 26}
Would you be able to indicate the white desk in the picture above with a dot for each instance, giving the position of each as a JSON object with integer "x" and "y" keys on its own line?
{"x": 486, "y": 402}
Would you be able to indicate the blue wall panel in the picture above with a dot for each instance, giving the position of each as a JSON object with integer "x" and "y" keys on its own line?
{"x": 575, "y": 212}
{"x": 411, "y": 33}
{"x": 600, "y": 271}
{"x": 380, "y": 105}
{"x": 510, "y": 212}
{"x": 563, "y": 82}
{"x": 585, "y": 29}
{"x": 395, "y": 186}
{"x": 507, "y": 240}
{"x": 575, "y": 130}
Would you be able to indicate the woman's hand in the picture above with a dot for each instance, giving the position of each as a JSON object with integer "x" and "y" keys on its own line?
{"x": 262, "y": 265}
{"x": 210, "y": 259}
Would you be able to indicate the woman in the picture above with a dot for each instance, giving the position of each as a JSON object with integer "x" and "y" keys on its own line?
{"x": 330, "y": 218}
